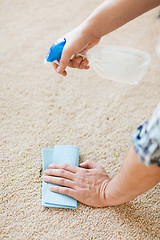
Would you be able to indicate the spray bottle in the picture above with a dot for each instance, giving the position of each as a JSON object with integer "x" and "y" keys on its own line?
{"x": 115, "y": 63}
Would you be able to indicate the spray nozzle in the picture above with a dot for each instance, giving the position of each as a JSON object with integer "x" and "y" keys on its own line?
{"x": 55, "y": 51}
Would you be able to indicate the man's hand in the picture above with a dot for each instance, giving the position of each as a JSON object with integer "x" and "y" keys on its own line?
{"x": 86, "y": 183}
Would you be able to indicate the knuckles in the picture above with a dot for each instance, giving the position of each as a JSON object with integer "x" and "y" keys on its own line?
{"x": 65, "y": 166}
{"x": 80, "y": 180}
{"x": 61, "y": 172}
{"x": 66, "y": 191}
{"x": 61, "y": 181}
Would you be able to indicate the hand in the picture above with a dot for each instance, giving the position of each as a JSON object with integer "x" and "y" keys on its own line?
{"x": 78, "y": 41}
{"x": 86, "y": 183}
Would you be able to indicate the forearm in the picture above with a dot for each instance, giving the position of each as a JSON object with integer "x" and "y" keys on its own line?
{"x": 133, "y": 179}
{"x": 112, "y": 14}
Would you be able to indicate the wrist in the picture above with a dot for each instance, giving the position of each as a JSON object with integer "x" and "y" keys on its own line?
{"x": 112, "y": 195}
{"x": 89, "y": 30}
{"x": 116, "y": 193}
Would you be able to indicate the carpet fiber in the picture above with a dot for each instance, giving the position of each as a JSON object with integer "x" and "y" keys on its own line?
{"x": 39, "y": 108}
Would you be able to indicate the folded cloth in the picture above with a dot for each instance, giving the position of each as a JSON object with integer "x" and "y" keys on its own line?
{"x": 60, "y": 154}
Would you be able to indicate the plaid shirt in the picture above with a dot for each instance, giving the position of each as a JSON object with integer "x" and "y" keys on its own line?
{"x": 146, "y": 140}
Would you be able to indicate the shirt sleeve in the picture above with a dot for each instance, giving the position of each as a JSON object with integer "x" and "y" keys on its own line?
{"x": 146, "y": 140}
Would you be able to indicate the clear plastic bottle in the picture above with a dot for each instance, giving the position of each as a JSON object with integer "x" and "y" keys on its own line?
{"x": 119, "y": 64}
{"x": 115, "y": 63}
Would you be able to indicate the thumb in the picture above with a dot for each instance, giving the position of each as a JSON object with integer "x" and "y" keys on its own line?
{"x": 64, "y": 61}
{"x": 89, "y": 164}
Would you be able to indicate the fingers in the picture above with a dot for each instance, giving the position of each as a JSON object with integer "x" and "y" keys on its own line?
{"x": 89, "y": 164}
{"x": 79, "y": 62}
{"x": 64, "y": 166}
{"x": 84, "y": 64}
{"x": 60, "y": 181}
{"x": 63, "y": 190}
{"x": 64, "y": 61}
{"x": 75, "y": 62}
{"x": 59, "y": 173}
{"x": 55, "y": 66}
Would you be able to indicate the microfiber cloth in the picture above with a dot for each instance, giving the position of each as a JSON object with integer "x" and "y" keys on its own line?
{"x": 60, "y": 154}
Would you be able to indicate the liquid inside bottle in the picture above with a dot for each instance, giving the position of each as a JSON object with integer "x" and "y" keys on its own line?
{"x": 119, "y": 63}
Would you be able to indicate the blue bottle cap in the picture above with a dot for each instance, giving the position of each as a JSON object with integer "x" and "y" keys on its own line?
{"x": 55, "y": 51}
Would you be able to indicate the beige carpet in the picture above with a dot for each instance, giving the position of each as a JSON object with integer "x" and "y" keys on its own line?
{"x": 39, "y": 108}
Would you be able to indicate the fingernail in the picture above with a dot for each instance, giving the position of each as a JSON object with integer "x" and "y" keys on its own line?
{"x": 44, "y": 178}
{"x": 59, "y": 69}
{"x": 50, "y": 166}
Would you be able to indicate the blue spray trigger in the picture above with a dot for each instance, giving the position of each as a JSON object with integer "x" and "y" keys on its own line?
{"x": 55, "y": 51}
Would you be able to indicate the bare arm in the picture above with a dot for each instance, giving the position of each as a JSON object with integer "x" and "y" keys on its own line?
{"x": 133, "y": 179}
{"x": 91, "y": 185}
{"x": 110, "y": 15}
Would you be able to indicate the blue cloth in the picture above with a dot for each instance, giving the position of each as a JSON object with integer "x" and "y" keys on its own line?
{"x": 60, "y": 154}
{"x": 146, "y": 140}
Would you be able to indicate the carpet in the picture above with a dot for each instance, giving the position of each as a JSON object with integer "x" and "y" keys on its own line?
{"x": 39, "y": 109}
